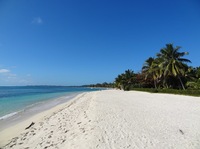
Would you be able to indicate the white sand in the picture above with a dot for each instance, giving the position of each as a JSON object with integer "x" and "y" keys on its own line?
{"x": 113, "y": 119}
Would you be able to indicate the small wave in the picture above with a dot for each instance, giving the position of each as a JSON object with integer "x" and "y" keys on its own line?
{"x": 38, "y": 106}
{"x": 8, "y": 115}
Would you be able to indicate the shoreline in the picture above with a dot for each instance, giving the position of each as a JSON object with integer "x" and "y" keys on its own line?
{"x": 32, "y": 110}
{"x": 113, "y": 119}
{"x": 13, "y": 130}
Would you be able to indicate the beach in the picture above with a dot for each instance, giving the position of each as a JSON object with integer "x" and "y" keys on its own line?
{"x": 111, "y": 119}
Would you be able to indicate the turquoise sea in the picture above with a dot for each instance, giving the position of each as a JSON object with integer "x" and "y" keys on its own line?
{"x": 16, "y": 101}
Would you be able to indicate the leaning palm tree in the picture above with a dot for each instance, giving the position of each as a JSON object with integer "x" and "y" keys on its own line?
{"x": 172, "y": 62}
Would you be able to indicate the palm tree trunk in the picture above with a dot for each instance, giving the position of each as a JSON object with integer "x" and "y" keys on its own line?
{"x": 181, "y": 83}
{"x": 155, "y": 83}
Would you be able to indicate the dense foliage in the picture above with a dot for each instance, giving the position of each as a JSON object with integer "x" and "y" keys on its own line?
{"x": 104, "y": 85}
{"x": 168, "y": 70}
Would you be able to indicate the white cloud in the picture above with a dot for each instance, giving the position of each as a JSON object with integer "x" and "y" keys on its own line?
{"x": 4, "y": 70}
{"x": 37, "y": 20}
{"x": 9, "y": 78}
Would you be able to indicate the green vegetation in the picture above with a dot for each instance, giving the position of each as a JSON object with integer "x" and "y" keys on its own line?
{"x": 168, "y": 72}
{"x": 104, "y": 85}
{"x": 190, "y": 92}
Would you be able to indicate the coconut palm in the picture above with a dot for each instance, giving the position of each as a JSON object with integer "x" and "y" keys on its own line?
{"x": 124, "y": 80}
{"x": 193, "y": 77}
{"x": 151, "y": 69}
{"x": 172, "y": 62}
{"x": 119, "y": 81}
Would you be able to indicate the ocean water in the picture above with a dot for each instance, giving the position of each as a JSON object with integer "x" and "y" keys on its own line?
{"x": 18, "y": 100}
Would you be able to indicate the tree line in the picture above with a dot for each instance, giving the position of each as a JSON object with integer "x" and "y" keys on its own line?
{"x": 103, "y": 85}
{"x": 167, "y": 70}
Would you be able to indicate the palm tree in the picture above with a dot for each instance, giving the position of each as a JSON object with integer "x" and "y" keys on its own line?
{"x": 151, "y": 68}
{"x": 193, "y": 77}
{"x": 128, "y": 76}
{"x": 172, "y": 62}
{"x": 119, "y": 82}
{"x": 124, "y": 80}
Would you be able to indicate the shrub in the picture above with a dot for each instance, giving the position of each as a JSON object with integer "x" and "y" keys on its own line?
{"x": 190, "y": 92}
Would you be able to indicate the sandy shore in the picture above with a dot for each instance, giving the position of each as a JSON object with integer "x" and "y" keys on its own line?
{"x": 112, "y": 119}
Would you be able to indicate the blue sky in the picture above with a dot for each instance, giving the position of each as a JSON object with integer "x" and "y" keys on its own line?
{"x": 75, "y": 42}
